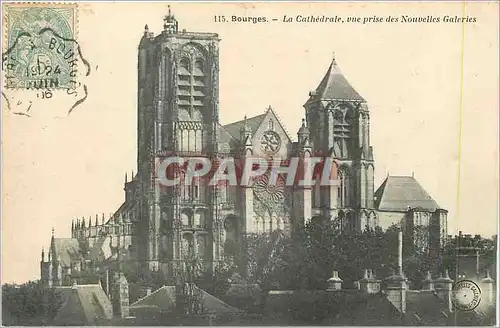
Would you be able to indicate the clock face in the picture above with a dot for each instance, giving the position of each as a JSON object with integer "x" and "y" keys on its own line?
{"x": 270, "y": 142}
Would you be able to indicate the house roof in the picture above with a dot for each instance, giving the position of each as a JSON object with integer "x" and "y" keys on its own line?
{"x": 355, "y": 308}
{"x": 163, "y": 300}
{"x": 253, "y": 124}
{"x": 344, "y": 307}
{"x": 397, "y": 193}
{"x": 334, "y": 86}
{"x": 65, "y": 249}
{"x": 83, "y": 305}
{"x": 425, "y": 308}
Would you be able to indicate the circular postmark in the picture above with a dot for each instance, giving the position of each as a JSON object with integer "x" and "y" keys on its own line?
{"x": 466, "y": 295}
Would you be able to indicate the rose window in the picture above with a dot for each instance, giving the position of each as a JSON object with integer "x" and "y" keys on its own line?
{"x": 271, "y": 194}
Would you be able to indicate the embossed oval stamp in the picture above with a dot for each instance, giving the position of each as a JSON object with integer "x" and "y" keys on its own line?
{"x": 466, "y": 295}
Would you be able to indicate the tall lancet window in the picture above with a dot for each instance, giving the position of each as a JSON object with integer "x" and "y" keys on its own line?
{"x": 271, "y": 124}
{"x": 192, "y": 79}
{"x": 343, "y": 193}
{"x": 343, "y": 119}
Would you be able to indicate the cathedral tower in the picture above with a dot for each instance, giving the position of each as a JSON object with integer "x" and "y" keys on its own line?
{"x": 340, "y": 129}
{"x": 178, "y": 111}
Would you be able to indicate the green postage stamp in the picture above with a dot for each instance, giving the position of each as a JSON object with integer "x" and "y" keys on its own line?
{"x": 40, "y": 48}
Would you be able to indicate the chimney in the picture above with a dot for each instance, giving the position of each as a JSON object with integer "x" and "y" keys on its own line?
{"x": 395, "y": 290}
{"x": 396, "y": 284}
{"x": 428, "y": 283}
{"x": 369, "y": 283}
{"x": 442, "y": 286}
{"x": 488, "y": 286}
{"x": 334, "y": 283}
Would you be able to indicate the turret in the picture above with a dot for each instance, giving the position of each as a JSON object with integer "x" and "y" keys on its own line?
{"x": 340, "y": 118}
{"x": 245, "y": 137}
{"x": 170, "y": 24}
{"x": 303, "y": 135}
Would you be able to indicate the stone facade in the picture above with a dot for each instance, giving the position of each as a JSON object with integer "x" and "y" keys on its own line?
{"x": 178, "y": 115}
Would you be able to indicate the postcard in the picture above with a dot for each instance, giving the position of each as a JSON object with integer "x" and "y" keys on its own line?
{"x": 192, "y": 163}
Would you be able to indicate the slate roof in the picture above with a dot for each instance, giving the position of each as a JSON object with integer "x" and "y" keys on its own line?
{"x": 83, "y": 305}
{"x": 67, "y": 249}
{"x": 344, "y": 307}
{"x": 253, "y": 123}
{"x": 355, "y": 308}
{"x": 334, "y": 86}
{"x": 425, "y": 308}
{"x": 163, "y": 300}
{"x": 397, "y": 193}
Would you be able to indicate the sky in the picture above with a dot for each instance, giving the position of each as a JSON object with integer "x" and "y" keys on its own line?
{"x": 425, "y": 118}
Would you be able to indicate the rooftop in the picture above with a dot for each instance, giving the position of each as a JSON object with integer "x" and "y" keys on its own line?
{"x": 399, "y": 193}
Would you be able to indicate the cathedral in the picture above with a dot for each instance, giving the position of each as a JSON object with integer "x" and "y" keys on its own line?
{"x": 158, "y": 228}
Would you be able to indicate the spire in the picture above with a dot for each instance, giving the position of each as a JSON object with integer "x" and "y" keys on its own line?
{"x": 126, "y": 178}
{"x": 53, "y": 232}
{"x": 303, "y": 134}
{"x": 72, "y": 226}
{"x": 244, "y": 127}
{"x": 303, "y": 128}
{"x": 43, "y": 254}
{"x": 146, "y": 30}
{"x": 90, "y": 221}
{"x": 245, "y": 134}
{"x": 83, "y": 223}
{"x": 334, "y": 86}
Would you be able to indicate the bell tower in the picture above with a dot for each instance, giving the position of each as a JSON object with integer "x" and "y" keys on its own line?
{"x": 339, "y": 122}
{"x": 178, "y": 112}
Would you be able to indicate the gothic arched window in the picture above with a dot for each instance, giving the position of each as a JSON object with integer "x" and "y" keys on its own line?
{"x": 343, "y": 195}
{"x": 199, "y": 67}
{"x": 187, "y": 245}
{"x": 184, "y": 63}
{"x": 192, "y": 80}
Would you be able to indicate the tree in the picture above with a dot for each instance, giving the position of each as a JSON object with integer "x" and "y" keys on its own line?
{"x": 29, "y": 304}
